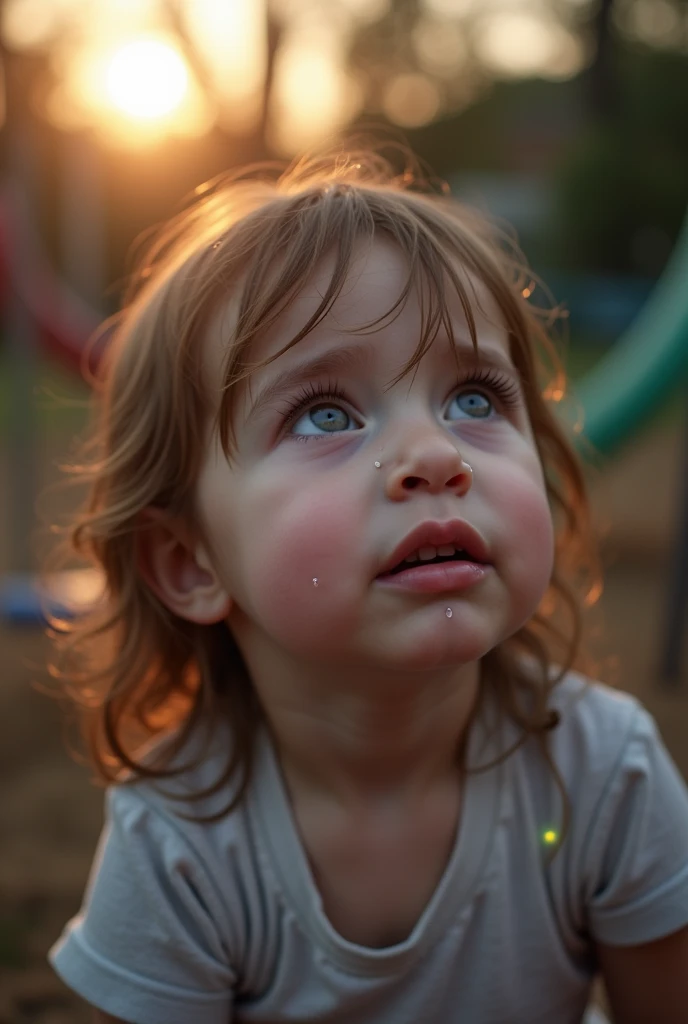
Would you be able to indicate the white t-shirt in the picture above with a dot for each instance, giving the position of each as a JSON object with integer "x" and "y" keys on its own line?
{"x": 190, "y": 923}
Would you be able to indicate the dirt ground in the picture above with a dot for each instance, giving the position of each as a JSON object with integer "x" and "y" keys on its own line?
{"x": 50, "y": 815}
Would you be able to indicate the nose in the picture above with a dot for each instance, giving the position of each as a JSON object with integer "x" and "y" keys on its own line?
{"x": 431, "y": 462}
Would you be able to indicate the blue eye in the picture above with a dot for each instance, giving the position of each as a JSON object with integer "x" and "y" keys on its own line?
{"x": 323, "y": 419}
{"x": 472, "y": 404}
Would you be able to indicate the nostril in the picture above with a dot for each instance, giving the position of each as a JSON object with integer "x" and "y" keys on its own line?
{"x": 455, "y": 480}
{"x": 411, "y": 482}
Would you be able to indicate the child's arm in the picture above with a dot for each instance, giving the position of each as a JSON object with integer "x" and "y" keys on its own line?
{"x": 648, "y": 982}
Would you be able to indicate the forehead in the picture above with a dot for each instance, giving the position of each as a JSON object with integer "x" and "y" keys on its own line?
{"x": 366, "y": 306}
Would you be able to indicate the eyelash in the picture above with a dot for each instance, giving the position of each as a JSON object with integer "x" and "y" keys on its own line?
{"x": 503, "y": 386}
{"x": 309, "y": 394}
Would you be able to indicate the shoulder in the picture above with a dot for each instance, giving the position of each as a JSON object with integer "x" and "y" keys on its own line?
{"x": 628, "y": 841}
{"x": 182, "y": 898}
{"x": 598, "y": 728}
{"x": 591, "y": 705}
{"x": 186, "y": 839}
{"x": 195, "y": 808}
{"x": 600, "y": 733}
{"x": 176, "y": 896}
{"x": 577, "y": 690}
{"x": 597, "y": 723}
{"x": 609, "y": 752}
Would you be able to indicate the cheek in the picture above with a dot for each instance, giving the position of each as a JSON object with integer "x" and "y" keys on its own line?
{"x": 534, "y": 535}
{"x": 528, "y": 539}
{"x": 292, "y": 542}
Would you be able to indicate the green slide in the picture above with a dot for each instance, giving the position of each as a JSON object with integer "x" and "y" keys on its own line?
{"x": 623, "y": 391}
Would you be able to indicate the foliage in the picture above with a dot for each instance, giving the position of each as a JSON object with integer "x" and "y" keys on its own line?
{"x": 622, "y": 188}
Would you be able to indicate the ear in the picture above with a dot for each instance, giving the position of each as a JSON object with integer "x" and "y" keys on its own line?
{"x": 178, "y": 571}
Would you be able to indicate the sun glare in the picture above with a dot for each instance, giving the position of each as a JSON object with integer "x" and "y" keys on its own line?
{"x": 134, "y": 92}
{"x": 147, "y": 79}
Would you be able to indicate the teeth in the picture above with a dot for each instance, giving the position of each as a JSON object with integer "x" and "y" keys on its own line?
{"x": 425, "y": 554}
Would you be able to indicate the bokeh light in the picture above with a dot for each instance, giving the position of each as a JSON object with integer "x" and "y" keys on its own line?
{"x": 314, "y": 93}
{"x": 521, "y": 44}
{"x": 654, "y": 21}
{"x": 28, "y": 23}
{"x": 230, "y": 38}
{"x": 453, "y": 8}
{"x": 147, "y": 78}
{"x": 440, "y": 46}
{"x": 411, "y": 100}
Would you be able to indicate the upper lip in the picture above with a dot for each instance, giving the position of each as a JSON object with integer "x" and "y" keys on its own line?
{"x": 435, "y": 534}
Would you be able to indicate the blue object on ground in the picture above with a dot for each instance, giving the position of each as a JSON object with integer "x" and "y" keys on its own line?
{"x": 28, "y": 600}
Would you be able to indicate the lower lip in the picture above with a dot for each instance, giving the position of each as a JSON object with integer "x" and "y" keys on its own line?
{"x": 436, "y": 579}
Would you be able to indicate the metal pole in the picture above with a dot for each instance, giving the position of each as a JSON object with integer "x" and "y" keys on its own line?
{"x": 670, "y": 668}
{"x": 22, "y": 347}
{"x": 82, "y": 234}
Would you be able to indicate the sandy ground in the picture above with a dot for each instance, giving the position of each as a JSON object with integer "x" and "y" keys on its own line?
{"x": 50, "y": 815}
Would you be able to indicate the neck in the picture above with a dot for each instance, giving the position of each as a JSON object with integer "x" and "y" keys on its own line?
{"x": 386, "y": 737}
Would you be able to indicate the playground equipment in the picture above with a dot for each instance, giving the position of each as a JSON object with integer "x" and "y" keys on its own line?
{"x": 41, "y": 312}
{"x": 63, "y": 322}
{"x": 651, "y": 359}
{"x": 624, "y": 390}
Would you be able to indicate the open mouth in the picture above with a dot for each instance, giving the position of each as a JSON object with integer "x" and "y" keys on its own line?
{"x": 434, "y": 543}
{"x": 414, "y": 560}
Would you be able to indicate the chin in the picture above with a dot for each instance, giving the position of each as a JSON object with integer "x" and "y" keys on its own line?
{"x": 431, "y": 654}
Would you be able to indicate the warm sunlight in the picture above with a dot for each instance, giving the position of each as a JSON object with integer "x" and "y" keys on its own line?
{"x": 314, "y": 93}
{"x": 134, "y": 92}
{"x": 231, "y": 37}
{"x": 147, "y": 79}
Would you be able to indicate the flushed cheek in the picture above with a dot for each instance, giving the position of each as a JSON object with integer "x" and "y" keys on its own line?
{"x": 527, "y": 546}
{"x": 304, "y": 571}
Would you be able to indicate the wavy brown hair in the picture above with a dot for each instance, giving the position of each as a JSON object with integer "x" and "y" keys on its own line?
{"x": 137, "y": 671}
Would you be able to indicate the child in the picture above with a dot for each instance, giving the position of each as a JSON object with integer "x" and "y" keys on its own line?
{"x": 338, "y": 524}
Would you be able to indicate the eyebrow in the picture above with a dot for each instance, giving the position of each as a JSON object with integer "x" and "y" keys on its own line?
{"x": 356, "y": 356}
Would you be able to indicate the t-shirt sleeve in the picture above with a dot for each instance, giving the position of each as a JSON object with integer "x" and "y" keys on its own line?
{"x": 148, "y": 946}
{"x": 637, "y": 858}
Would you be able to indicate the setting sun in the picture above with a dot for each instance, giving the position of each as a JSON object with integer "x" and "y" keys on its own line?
{"x": 147, "y": 79}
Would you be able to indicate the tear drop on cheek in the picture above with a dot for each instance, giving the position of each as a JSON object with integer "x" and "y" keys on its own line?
{"x": 449, "y": 613}
{"x": 315, "y": 581}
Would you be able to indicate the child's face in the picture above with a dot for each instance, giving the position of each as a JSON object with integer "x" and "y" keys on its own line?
{"x": 304, "y": 499}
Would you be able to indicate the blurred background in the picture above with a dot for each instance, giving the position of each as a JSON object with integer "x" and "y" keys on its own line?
{"x": 566, "y": 118}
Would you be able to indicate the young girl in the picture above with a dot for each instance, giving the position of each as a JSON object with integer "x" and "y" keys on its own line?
{"x": 354, "y": 778}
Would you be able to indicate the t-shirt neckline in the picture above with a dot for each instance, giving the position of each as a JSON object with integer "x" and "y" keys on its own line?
{"x": 481, "y": 806}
